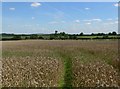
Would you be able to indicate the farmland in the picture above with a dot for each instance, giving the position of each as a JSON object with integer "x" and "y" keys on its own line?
{"x": 60, "y": 63}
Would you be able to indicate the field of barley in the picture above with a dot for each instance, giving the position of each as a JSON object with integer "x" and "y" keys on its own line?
{"x": 60, "y": 63}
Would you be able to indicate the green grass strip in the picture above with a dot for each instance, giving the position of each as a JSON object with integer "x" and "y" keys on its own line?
{"x": 67, "y": 70}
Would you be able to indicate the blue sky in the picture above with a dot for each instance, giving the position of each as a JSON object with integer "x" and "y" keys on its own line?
{"x": 70, "y": 17}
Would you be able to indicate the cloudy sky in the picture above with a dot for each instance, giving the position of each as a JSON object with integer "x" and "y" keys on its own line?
{"x": 70, "y": 17}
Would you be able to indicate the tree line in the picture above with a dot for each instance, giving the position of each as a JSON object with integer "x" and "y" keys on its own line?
{"x": 61, "y": 36}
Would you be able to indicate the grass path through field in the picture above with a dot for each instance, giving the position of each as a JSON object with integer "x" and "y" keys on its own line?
{"x": 67, "y": 61}
{"x": 67, "y": 70}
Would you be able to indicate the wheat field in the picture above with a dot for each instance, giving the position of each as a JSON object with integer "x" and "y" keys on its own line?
{"x": 60, "y": 63}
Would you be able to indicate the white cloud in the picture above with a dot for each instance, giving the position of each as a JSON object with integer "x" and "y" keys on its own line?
{"x": 96, "y": 20}
{"x": 88, "y": 23}
{"x": 90, "y": 20}
{"x": 87, "y": 8}
{"x": 77, "y": 21}
{"x": 111, "y": 23}
{"x": 87, "y": 20}
{"x": 116, "y": 5}
{"x": 12, "y": 9}
{"x": 33, "y": 17}
{"x": 116, "y": 22}
{"x": 35, "y": 4}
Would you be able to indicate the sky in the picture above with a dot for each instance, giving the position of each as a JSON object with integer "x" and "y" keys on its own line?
{"x": 70, "y": 17}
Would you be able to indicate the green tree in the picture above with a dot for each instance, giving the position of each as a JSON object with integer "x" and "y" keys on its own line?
{"x": 73, "y": 37}
{"x": 16, "y": 37}
{"x": 81, "y": 34}
{"x": 114, "y": 33}
{"x": 40, "y": 37}
{"x": 109, "y": 33}
{"x": 56, "y": 31}
{"x": 52, "y": 36}
{"x": 92, "y": 34}
{"x": 34, "y": 36}
{"x": 62, "y": 33}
